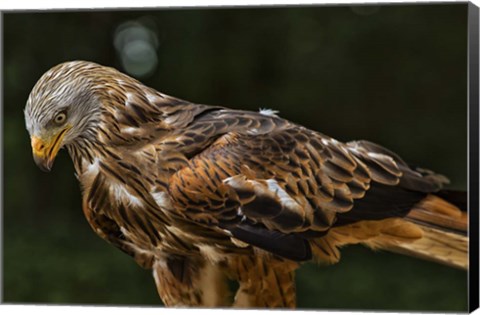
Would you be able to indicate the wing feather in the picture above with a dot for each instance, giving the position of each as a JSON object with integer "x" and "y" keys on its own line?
{"x": 283, "y": 177}
{"x": 279, "y": 156}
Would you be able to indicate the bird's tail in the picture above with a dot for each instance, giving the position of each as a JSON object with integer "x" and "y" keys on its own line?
{"x": 444, "y": 232}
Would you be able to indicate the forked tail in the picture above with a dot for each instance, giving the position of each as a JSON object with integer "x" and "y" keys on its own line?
{"x": 444, "y": 229}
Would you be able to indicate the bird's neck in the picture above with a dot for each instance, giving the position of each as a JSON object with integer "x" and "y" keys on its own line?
{"x": 84, "y": 151}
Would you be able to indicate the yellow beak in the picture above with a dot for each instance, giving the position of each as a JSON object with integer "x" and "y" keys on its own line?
{"x": 45, "y": 151}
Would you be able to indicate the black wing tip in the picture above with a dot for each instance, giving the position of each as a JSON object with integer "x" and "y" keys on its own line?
{"x": 455, "y": 197}
{"x": 289, "y": 246}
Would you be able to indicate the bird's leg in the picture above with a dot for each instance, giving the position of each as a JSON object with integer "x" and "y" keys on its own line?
{"x": 264, "y": 282}
{"x": 183, "y": 281}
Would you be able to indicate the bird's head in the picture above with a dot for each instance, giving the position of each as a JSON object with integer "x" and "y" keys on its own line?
{"x": 61, "y": 108}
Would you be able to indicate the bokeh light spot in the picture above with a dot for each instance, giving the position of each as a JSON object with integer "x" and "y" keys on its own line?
{"x": 137, "y": 45}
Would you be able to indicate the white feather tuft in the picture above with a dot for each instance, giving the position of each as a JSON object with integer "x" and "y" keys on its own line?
{"x": 269, "y": 112}
{"x": 122, "y": 195}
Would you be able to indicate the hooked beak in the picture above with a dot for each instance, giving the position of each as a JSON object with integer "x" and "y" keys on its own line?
{"x": 45, "y": 151}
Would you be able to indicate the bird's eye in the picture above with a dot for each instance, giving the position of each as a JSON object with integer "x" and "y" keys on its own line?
{"x": 60, "y": 118}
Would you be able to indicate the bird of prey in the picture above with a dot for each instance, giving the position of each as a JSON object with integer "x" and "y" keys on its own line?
{"x": 204, "y": 194}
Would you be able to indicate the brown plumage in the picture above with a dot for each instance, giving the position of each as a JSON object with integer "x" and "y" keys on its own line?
{"x": 201, "y": 194}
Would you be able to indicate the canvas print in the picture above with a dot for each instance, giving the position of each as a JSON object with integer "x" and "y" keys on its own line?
{"x": 310, "y": 157}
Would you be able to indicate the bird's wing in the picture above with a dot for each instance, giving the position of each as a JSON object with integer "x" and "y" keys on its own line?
{"x": 275, "y": 189}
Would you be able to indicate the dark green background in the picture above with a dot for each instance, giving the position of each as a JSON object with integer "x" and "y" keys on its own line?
{"x": 396, "y": 75}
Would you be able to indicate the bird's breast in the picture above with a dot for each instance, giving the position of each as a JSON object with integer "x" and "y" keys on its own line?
{"x": 140, "y": 215}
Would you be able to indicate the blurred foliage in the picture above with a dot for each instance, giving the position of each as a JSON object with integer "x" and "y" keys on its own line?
{"x": 396, "y": 75}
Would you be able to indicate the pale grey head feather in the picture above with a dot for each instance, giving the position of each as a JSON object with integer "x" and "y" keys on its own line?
{"x": 66, "y": 87}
